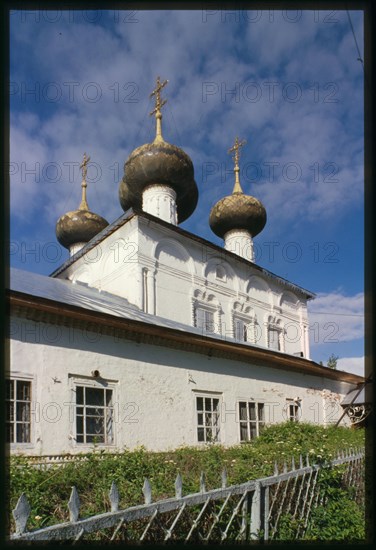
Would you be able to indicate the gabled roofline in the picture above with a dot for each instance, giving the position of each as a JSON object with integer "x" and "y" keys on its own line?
{"x": 47, "y": 310}
{"x": 129, "y": 215}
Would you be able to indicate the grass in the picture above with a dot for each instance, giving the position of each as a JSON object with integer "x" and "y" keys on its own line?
{"x": 48, "y": 490}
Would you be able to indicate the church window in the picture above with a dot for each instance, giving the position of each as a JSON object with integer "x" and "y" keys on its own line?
{"x": 220, "y": 273}
{"x": 18, "y": 404}
{"x": 274, "y": 338}
{"x": 293, "y": 410}
{"x": 204, "y": 319}
{"x": 208, "y": 418}
{"x": 94, "y": 415}
{"x": 251, "y": 419}
{"x": 241, "y": 330}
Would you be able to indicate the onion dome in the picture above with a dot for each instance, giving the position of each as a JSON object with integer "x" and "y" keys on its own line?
{"x": 237, "y": 211}
{"x": 79, "y": 226}
{"x": 159, "y": 163}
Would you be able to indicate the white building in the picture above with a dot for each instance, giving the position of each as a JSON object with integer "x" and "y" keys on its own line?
{"x": 150, "y": 335}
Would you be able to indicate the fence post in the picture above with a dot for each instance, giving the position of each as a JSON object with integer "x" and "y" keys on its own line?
{"x": 265, "y": 510}
{"x": 256, "y": 512}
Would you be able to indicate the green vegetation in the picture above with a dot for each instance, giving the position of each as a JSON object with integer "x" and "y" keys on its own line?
{"x": 48, "y": 490}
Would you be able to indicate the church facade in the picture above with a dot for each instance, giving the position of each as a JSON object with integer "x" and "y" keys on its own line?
{"x": 150, "y": 335}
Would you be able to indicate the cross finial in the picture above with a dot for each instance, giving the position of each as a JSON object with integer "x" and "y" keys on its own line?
{"x": 158, "y": 106}
{"x": 83, "y": 167}
{"x": 236, "y": 150}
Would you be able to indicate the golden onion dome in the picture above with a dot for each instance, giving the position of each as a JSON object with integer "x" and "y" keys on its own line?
{"x": 237, "y": 211}
{"x": 159, "y": 163}
{"x": 79, "y": 226}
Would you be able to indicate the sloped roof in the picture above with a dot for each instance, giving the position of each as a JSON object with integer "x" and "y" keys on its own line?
{"x": 41, "y": 295}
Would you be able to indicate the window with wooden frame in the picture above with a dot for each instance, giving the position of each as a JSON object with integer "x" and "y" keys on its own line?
{"x": 204, "y": 319}
{"x": 208, "y": 418}
{"x": 18, "y": 411}
{"x": 251, "y": 419}
{"x": 293, "y": 410}
{"x": 94, "y": 414}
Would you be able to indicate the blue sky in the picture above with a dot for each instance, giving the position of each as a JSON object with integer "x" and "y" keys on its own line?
{"x": 288, "y": 82}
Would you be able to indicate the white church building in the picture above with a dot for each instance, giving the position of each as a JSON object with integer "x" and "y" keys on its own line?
{"x": 150, "y": 335}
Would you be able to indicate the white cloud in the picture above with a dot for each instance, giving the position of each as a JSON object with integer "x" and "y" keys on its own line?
{"x": 336, "y": 318}
{"x": 355, "y": 365}
{"x": 182, "y": 47}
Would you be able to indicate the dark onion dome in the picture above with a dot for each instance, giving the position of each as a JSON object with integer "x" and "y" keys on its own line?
{"x": 79, "y": 226}
{"x": 237, "y": 211}
{"x": 159, "y": 163}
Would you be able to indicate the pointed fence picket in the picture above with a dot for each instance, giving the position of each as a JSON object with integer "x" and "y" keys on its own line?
{"x": 248, "y": 511}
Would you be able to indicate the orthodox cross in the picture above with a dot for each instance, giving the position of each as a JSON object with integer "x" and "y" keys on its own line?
{"x": 158, "y": 106}
{"x": 83, "y": 167}
{"x": 236, "y": 150}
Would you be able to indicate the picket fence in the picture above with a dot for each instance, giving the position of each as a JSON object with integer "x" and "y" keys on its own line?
{"x": 245, "y": 512}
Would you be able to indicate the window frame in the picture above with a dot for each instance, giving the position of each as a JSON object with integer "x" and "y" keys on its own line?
{"x": 15, "y": 378}
{"x": 248, "y": 327}
{"x": 206, "y": 309}
{"x": 296, "y": 411}
{"x": 220, "y": 277}
{"x": 104, "y": 386}
{"x": 276, "y": 329}
{"x": 204, "y": 426}
{"x": 257, "y": 422}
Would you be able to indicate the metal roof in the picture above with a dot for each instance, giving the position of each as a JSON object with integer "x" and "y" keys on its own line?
{"x": 78, "y": 294}
{"x": 28, "y": 288}
{"x": 356, "y": 397}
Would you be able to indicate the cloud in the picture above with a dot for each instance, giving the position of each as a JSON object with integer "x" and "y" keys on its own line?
{"x": 355, "y": 365}
{"x": 336, "y": 318}
{"x": 236, "y": 57}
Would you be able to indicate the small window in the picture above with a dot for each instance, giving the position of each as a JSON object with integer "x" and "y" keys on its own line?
{"x": 293, "y": 410}
{"x": 274, "y": 338}
{"x": 251, "y": 419}
{"x": 18, "y": 410}
{"x": 208, "y": 417}
{"x": 220, "y": 273}
{"x": 94, "y": 415}
{"x": 241, "y": 330}
{"x": 205, "y": 319}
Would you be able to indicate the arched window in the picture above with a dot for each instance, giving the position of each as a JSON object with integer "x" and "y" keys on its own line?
{"x": 220, "y": 273}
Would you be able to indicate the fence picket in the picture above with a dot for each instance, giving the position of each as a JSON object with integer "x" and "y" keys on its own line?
{"x": 74, "y": 506}
{"x": 224, "y": 478}
{"x": 178, "y": 486}
{"x": 202, "y": 483}
{"x": 256, "y": 504}
{"x": 114, "y": 497}
{"x": 21, "y": 514}
{"x": 146, "y": 489}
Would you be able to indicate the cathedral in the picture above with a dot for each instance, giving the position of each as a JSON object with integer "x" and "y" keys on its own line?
{"x": 151, "y": 335}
